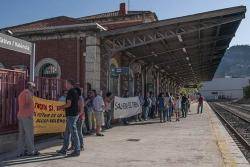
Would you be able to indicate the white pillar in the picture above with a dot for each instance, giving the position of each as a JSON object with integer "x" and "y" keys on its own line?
{"x": 93, "y": 62}
{"x": 158, "y": 84}
{"x": 32, "y": 63}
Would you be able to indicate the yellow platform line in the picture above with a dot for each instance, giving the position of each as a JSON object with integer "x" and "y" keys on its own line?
{"x": 221, "y": 142}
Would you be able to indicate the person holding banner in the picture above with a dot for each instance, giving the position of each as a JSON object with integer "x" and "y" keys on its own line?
{"x": 25, "y": 122}
{"x": 98, "y": 104}
{"x": 71, "y": 109}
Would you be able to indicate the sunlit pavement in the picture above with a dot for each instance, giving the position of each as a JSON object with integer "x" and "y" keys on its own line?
{"x": 189, "y": 142}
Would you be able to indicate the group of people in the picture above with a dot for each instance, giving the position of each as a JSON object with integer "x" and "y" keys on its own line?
{"x": 165, "y": 106}
{"x": 91, "y": 113}
{"x": 94, "y": 114}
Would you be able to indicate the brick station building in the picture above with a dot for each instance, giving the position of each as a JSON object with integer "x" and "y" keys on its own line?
{"x": 161, "y": 55}
{"x": 69, "y": 47}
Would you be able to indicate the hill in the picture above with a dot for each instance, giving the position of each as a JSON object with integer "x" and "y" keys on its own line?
{"x": 235, "y": 63}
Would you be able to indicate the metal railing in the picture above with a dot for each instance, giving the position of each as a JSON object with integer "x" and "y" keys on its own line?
{"x": 12, "y": 82}
{"x": 49, "y": 88}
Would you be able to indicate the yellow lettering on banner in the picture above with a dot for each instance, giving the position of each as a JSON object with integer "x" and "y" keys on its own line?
{"x": 47, "y": 119}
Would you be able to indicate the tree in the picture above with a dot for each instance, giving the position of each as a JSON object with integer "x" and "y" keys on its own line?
{"x": 187, "y": 91}
{"x": 246, "y": 91}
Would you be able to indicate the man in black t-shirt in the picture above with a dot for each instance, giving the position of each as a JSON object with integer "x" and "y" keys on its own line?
{"x": 71, "y": 110}
{"x": 184, "y": 106}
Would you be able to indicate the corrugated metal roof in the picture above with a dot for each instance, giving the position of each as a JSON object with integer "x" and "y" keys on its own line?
{"x": 188, "y": 49}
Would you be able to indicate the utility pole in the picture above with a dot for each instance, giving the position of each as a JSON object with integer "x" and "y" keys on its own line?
{"x": 128, "y": 5}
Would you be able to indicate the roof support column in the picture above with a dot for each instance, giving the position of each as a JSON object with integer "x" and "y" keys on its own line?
{"x": 92, "y": 62}
{"x": 143, "y": 78}
{"x": 172, "y": 87}
{"x": 160, "y": 83}
{"x": 146, "y": 80}
{"x": 157, "y": 83}
{"x": 165, "y": 85}
{"x": 168, "y": 85}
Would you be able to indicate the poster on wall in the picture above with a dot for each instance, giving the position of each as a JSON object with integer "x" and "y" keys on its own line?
{"x": 47, "y": 119}
{"x": 126, "y": 107}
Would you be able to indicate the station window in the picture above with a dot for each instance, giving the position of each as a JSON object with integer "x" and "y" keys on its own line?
{"x": 48, "y": 70}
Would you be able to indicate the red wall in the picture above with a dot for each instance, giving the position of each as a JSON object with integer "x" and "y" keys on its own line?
{"x": 64, "y": 51}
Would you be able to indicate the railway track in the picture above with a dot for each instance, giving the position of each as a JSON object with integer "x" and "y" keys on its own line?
{"x": 238, "y": 125}
{"x": 243, "y": 109}
{"x": 236, "y": 110}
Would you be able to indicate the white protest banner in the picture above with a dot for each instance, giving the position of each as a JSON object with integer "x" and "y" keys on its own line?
{"x": 126, "y": 107}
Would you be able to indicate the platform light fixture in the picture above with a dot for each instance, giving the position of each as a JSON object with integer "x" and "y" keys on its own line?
{"x": 180, "y": 38}
{"x": 187, "y": 58}
{"x": 154, "y": 54}
{"x": 9, "y": 32}
{"x": 184, "y": 50}
{"x": 156, "y": 66}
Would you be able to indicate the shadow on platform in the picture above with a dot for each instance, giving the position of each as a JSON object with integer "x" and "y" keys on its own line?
{"x": 25, "y": 160}
{"x": 144, "y": 123}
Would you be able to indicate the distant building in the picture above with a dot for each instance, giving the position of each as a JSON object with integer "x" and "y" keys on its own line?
{"x": 224, "y": 88}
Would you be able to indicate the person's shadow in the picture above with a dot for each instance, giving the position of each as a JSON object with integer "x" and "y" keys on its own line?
{"x": 26, "y": 159}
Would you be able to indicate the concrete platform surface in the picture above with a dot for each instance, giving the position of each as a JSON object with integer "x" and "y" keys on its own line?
{"x": 198, "y": 140}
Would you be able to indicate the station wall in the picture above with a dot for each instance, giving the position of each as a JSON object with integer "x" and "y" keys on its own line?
{"x": 231, "y": 88}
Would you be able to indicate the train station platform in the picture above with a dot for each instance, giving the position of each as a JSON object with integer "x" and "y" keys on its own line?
{"x": 198, "y": 140}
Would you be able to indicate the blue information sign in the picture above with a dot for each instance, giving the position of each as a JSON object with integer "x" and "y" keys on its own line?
{"x": 119, "y": 70}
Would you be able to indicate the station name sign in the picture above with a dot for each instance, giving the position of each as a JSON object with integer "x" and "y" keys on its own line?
{"x": 15, "y": 44}
{"x": 115, "y": 72}
{"x": 190, "y": 86}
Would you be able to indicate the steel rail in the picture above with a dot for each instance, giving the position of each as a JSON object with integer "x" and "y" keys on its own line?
{"x": 234, "y": 113}
{"x": 229, "y": 126}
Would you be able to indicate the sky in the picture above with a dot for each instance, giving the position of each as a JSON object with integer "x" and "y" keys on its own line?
{"x": 14, "y": 12}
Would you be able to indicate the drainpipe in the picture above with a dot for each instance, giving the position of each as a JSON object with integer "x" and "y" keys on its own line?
{"x": 32, "y": 63}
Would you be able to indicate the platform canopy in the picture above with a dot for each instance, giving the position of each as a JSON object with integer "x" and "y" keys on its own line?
{"x": 187, "y": 49}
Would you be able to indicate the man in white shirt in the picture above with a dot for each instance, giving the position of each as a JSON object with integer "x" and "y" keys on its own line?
{"x": 98, "y": 105}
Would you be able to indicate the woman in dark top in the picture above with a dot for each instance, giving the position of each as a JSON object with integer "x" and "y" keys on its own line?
{"x": 161, "y": 107}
